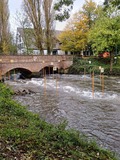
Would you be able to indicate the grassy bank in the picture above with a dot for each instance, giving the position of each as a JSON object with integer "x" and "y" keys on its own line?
{"x": 82, "y": 65}
{"x": 24, "y": 136}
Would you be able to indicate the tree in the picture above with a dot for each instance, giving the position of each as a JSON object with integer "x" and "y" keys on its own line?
{"x": 43, "y": 14}
{"x": 113, "y": 2}
{"x": 12, "y": 47}
{"x": 67, "y": 41}
{"x": 49, "y": 15}
{"x": 89, "y": 10}
{"x": 63, "y": 8}
{"x": 33, "y": 11}
{"x": 74, "y": 38}
{"x": 4, "y": 27}
{"x": 26, "y": 31}
{"x": 104, "y": 35}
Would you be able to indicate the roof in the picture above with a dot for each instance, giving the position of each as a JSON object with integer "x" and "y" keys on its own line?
{"x": 31, "y": 39}
{"x": 21, "y": 31}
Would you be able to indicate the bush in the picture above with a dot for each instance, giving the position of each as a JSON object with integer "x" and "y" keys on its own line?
{"x": 82, "y": 65}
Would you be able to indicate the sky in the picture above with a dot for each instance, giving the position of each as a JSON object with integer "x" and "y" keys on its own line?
{"x": 16, "y": 6}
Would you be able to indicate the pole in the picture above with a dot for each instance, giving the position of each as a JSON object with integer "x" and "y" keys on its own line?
{"x": 90, "y": 67}
{"x": 43, "y": 72}
{"x": 0, "y": 75}
{"x": 56, "y": 86}
{"x": 58, "y": 72}
{"x": 100, "y": 68}
{"x": 53, "y": 73}
{"x": 14, "y": 75}
{"x": 49, "y": 70}
{"x": 93, "y": 84}
{"x": 9, "y": 75}
{"x": 44, "y": 82}
{"x": 102, "y": 84}
{"x": 84, "y": 72}
{"x": 100, "y": 78}
{"x": 90, "y": 71}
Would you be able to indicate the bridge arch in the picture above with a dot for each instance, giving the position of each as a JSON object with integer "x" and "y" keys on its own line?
{"x": 47, "y": 65}
{"x": 18, "y": 69}
{"x": 15, "y": 67}
{"x": 15, "y": 73}
{"x": 49, "y": 69}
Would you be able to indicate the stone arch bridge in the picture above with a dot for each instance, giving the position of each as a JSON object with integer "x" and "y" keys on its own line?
{"x": 33, "y": 63}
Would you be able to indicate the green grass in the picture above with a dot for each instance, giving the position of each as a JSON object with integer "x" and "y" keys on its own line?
{"x": 82, "y": 65}
{"x": 24, "y": 136}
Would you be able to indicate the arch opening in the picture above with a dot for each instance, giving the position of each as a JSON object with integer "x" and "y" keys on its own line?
{"x": 48, "y": 70}
{"x": 18, "y": 73}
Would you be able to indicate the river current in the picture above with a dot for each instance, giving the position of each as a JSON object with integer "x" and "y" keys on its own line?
{"x": 71, "y": 98}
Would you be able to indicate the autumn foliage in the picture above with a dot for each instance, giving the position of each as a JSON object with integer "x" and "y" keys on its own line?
{"x": 75, "y": 37}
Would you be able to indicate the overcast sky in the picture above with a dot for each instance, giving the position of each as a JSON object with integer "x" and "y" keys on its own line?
{"x": 15, "y": 6}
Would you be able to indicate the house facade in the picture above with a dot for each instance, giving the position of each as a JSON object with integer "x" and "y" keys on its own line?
{"x": 26, "y": 43}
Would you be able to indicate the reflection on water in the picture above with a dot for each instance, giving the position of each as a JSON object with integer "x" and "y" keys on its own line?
{"x": 98, "y": 116}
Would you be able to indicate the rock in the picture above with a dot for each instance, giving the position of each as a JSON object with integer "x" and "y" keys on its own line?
{"x": 22, "y": 88}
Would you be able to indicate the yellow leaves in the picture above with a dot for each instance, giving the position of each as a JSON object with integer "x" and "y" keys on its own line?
{"x": 89, "y": 6}
{"x": 74, "y": 38}
{"x": 67, "y": 40}
{"x": 5, "y": 47}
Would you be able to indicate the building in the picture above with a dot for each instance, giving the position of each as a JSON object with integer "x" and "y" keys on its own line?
{"x": 26, "y": 43}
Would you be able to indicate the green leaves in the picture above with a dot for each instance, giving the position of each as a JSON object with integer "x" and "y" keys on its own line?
{"x": 115, "y": 3}
{"x": 105, "y": 33}
{"x": 63, "y": 8}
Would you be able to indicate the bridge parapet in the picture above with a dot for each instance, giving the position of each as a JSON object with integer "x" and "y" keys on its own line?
{"x": 34, "y": 58}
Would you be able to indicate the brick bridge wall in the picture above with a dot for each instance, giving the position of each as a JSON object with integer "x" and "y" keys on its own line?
{"x": 33, "y": 63}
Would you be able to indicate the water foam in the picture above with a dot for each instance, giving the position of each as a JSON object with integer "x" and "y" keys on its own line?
{"x": 51, "y": 83}
{"x": 38, "y": 82}
{"x": 69, "y": 89}
{"x": 89, "y": 93}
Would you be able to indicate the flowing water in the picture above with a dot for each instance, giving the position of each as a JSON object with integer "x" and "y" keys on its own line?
{"x": 71, "y": 98}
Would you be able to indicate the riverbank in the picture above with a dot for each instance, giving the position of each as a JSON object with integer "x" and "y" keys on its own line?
{"x": 88, "y": 65}
{"x": 23, "y": 135}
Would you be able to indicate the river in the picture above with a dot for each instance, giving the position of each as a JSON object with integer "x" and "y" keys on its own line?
{"x": 71, "y": 98}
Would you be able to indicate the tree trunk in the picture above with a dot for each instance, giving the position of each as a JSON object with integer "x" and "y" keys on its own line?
{"x": 48, "y": 42}
{"x": 40, "y": 48}
{"x": 39, "y": 42}
{"x": 48, "y": 50}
